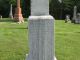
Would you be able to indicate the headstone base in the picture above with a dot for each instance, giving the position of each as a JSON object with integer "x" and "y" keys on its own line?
{"x": 53, "y": 59}
{"x": 18, "y": 15}
{"x": 41, "y": 38}
{"x": 10, "y": 16}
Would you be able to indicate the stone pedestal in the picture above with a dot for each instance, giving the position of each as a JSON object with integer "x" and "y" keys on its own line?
{"x": 18, "y": 15}
{"x": 41, "y": 38}
{"x": 41, "y": 32}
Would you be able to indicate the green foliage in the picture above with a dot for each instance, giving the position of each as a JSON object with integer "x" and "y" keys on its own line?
{"x": 11, "y": 1}
{"x": 5, "y": 7}
{"x": 66, "y": 7}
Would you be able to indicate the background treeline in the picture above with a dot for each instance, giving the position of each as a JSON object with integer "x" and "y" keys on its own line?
{"x": 57, "y": 9}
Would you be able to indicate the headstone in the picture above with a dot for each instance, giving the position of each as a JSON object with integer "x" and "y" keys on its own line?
{"x": 11, "y": 14}
{"x": 18, "y": 15}
{"x": 74, "y": 14}
{"x": 77, "y": 18}
{"x": 1, "y": 17}
{"x": 41, "y": 32}
{"x": 67, "y": 19}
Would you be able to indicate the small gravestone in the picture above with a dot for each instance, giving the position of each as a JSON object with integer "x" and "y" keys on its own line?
{"x": 74, "y": 14}
{"x": 41, "y": 32}
{"x": 11, "y": 14}
{"x": 67, "y": 19}
{"x": 77, "y": 18}
{"x": 1, "y": 17}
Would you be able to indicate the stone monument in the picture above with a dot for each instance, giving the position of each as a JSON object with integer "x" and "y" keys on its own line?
{"x": 74, "y": 14}
{"x": 11, "y": 14}
{"x": 67, "y": 19}
{"x": 18, "y": 15}
{"x": 77, "y": 18}
{"x": 41, "y": 32}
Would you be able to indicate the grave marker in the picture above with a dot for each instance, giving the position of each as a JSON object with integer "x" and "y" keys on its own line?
{"x": 41, "y": 31}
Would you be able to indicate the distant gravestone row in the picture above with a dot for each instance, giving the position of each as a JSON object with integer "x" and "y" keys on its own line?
{"x": 76, "y": 17}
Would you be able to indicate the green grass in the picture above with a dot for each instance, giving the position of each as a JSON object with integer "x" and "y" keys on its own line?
{"x": 67, "y": 36}
{"x": 14, "y": 40}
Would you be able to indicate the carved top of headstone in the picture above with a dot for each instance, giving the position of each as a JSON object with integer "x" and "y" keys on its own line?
{"x": 11, "y": 5}
{"x": 39, "y": 7}
{"x": 11, "y": 8}
{"x": 67, "y": 16}
{"x": 10, "y": 14}
{"x": 75, "y": 7}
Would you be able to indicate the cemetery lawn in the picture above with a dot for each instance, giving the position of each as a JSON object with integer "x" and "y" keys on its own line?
{"x": 14, "y": 40}
{"x": 67, "y": 40}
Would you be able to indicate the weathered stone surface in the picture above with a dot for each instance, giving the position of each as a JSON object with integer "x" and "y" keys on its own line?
{"x": 41, "y": 31}
{"x": 39, "y": 7}
{"x": 41, "y": 37}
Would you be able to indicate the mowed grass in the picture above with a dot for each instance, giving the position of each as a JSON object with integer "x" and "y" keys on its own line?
{"x": 67, "y": 40}
{"x": 14, "y": 40}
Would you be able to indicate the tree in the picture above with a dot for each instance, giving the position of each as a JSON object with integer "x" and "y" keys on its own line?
{"x": 66, "y": 6}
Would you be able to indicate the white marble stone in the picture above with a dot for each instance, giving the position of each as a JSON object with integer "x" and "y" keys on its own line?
{"x": 11, "y": 14}
{"x": 41, "y": 38}
{"x": 41, "y": 32}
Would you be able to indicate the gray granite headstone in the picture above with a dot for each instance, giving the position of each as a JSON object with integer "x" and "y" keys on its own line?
{"x": 41, "y": 31}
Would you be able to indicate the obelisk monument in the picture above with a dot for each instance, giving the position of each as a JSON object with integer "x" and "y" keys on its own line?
{"x": 11, "y": 14}
{"x": 41, "y": 31}
{"x": 75, "y": 13}
{"x": 18, "y": 13}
